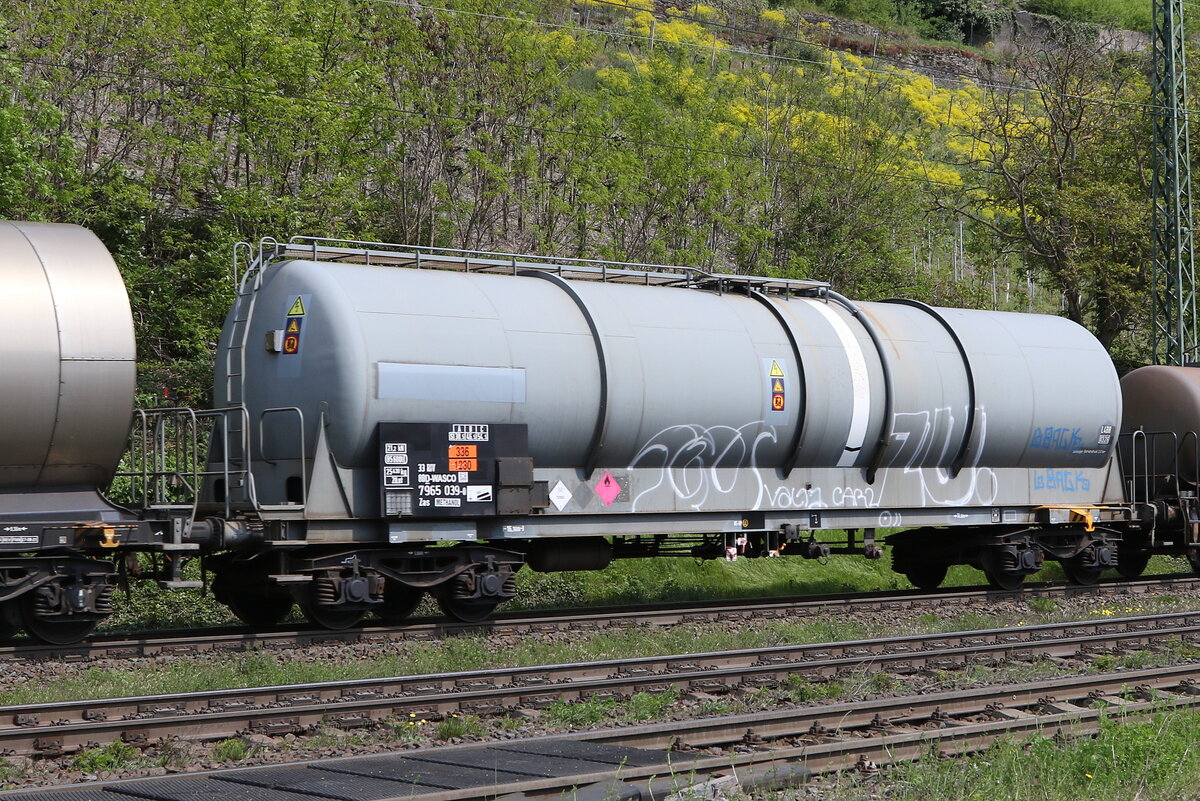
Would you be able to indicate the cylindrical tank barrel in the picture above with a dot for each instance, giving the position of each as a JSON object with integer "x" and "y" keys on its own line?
{"x": 611, "y": 374}
{"x": 67, "y": 365}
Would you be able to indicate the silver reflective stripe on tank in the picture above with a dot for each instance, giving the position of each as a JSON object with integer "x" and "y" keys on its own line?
{"x": 445, "y": 382}
{"x": 859, "y": 380}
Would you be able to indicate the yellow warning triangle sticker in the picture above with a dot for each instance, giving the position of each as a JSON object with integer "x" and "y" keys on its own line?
{"x": 297, "y": 310}
{"x": 776, "y": 370}
{"x": 778, "y": 386}
{"x": 293, "y": 327}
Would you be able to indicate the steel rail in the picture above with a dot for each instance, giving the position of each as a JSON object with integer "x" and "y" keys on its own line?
{"x": 169, "y": 642}
{"x": 775, "y": 750}
{"x": 826, "y": 722}
{"x": 868, "y": 733}
{"x": 60, "y": 727}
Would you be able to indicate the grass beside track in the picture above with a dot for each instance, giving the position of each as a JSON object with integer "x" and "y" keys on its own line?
{"x": 1155, "y": 760}
{"x": 152, "y": 676}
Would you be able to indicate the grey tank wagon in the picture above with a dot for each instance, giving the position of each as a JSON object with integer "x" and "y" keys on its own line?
{"x": 565, "y": 413}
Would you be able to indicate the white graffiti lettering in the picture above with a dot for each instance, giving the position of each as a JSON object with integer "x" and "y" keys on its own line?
{"x": 927, "y": 439}
{"x": 688, "y": 458}
{"x": 698, "y": 464}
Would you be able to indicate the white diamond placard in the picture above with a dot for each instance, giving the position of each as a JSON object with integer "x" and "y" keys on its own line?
{"x": 560, "y": 496}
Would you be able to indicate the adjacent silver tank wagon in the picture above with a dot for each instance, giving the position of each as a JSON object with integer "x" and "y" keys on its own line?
{"x": 67, "y": 365}
{"x": 67, "y": 378}
{"x": 1164, "y": 414}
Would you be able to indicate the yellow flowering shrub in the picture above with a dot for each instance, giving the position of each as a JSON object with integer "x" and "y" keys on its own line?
{"x": 673, "y": 31}
{"x": 773, "y": 16}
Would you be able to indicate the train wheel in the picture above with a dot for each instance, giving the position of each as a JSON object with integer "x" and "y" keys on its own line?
{"x": 1079, "y": 572}
{"x": 1004, "y": 579}
{"x": 399, "y": 601}
{"x": 467, "y": 611}
{"x": 258, "y": 609}
{"x": 54, "y": 629}
{"x": 10, "y": 619}
{"x": 1132, "y": 565}
{"x": 331, "y": 617}
{"x": 926, "y": 575}
{"x": 251, "y": 597}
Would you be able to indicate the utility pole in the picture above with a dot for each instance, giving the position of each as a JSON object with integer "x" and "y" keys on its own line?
{"x": 1173, "y": 312}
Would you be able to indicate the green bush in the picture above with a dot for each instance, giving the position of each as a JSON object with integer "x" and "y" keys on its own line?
{"x": 148, "y": 607}
{"x": 1119, "y": 13}
{"x": 1154, "y": 759}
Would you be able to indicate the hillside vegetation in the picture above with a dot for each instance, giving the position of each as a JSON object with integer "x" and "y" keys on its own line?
{"x": 725, "y": 138}
{"x": 974, "y": 20}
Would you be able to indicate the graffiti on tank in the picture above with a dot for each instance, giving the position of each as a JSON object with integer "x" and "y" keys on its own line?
{"x": 890, "y": 519}
{"x": 922, "y": 438}
{"x": 688, "y": 458}
{"x": 1062, "y": 438}
{"x": 690, "y": 461}
{"x": 928, "y": 438}
{"x": 1062, "y": 480}
{"x": 786, "y": 496}
{"x": 854, "y": 496}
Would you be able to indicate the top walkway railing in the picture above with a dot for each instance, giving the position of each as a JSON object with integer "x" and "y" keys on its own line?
{"x": 484, "y": 261}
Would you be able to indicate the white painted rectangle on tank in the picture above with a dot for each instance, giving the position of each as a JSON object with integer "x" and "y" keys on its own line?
{"x": 447, "y": 382}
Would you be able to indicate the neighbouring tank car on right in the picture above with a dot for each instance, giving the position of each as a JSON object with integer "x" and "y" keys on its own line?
{"x": 1160, "y": 463}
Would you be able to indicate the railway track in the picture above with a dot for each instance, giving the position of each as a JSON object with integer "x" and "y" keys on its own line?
{"x": 165, "y": 643}
{"x": 766, "y": 750}
{"x": 54, "y": 729}
{"x": 869, "y": 733}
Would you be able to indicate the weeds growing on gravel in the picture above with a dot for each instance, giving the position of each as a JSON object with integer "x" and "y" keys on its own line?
{"x": 10, "y": 772}
{"x": 1043, "y": 606}
{"x": 459, "y": 726}
{"x": 639, "y": 707}
{"x": 1154, "y": 760}
{"x": 802, "y": 689}
{"x": 235, "y": 749}
{"x": 115, "y": 755}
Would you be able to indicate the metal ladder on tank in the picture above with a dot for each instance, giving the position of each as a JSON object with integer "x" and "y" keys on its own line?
{"x": 240, "y": 487}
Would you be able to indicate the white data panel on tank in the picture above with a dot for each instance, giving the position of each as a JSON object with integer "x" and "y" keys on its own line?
{"x": 444, "y": 382}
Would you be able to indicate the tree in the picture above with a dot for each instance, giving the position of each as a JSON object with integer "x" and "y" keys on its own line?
{"x": 1061, "y": 147}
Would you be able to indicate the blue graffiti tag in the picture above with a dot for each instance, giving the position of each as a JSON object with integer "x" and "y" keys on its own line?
{"x": 1056, "y": 439}
{"x": 1062, "y": 480}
